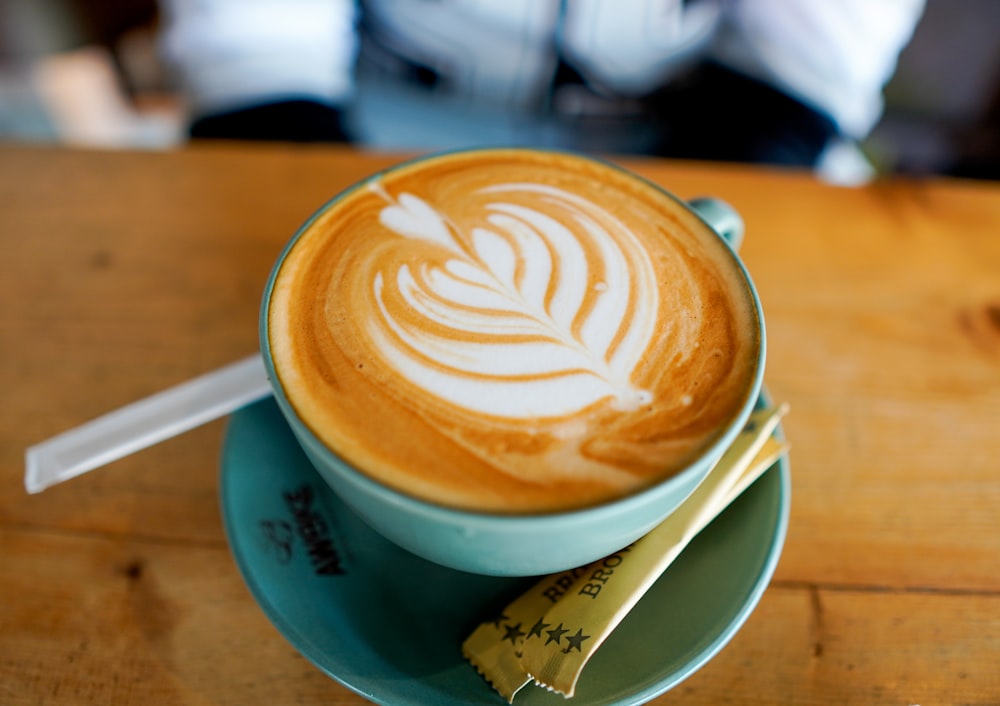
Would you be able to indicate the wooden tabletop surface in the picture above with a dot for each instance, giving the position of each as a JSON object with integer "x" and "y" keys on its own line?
{"x": 124, "y": 273}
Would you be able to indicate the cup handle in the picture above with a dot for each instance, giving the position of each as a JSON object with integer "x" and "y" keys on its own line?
{"x": 723, "y": 219}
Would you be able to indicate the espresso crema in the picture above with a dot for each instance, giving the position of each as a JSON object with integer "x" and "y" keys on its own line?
{"x": 512, "y": 331}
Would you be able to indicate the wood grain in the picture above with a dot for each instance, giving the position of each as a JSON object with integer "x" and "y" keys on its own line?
{"x": 128, "y": 272}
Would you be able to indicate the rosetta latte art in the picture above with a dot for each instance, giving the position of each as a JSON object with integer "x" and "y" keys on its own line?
{"x": 512, "y": 331}
{"x": 537, "y": 312}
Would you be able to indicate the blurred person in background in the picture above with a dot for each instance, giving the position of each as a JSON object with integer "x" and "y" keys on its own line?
{"x": 763, "y": 81}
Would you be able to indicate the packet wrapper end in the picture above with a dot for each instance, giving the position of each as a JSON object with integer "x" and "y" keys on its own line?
{"x": 494, "y": 648}
{"x": 497, "y": 663}
{"x": 598, "y": 601}
{"x": 497, "y": 647}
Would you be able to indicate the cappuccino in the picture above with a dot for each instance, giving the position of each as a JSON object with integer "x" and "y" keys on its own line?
{"x": 513, "y": 331}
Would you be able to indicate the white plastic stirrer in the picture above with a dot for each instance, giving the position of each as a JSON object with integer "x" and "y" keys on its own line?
{"x": 146, "y": 422}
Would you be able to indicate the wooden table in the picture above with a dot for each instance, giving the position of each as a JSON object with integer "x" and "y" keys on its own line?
{"x": 124, "y": 273}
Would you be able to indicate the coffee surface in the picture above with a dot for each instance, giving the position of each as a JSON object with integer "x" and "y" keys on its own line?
{"x": 512, "y": 331}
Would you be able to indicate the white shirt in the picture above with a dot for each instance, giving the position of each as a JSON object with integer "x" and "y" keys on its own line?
{"x": 835, "y": 55}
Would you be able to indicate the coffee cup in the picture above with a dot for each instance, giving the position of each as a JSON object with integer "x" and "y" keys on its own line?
{"x": 513, "y": 361}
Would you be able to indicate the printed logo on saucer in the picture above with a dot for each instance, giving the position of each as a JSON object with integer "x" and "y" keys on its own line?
{"x": 306, "y": 530}
{"x": 278, "y": 538}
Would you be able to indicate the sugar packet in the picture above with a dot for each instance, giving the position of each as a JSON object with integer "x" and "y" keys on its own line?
{"x": 549, "y": 633}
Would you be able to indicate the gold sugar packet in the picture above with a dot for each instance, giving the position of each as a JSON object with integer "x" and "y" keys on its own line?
{"x": 549, "y": 633}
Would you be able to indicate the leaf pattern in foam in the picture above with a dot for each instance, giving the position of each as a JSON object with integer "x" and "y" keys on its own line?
{"x": 507, "y": 325}
{"x": 414, "y": 218}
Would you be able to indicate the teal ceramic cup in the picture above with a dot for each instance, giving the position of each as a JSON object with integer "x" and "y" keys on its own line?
{"x": 522, "y": 544}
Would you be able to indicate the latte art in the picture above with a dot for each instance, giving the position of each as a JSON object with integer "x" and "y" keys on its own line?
{"x": 540, "y": 312}
{"x": 512, "y": 331}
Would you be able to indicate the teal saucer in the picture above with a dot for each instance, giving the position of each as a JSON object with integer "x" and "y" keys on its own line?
{"x": 389, "y": 625}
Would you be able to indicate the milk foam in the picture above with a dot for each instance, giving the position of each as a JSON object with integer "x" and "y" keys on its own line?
{"x": 507, "y": 325}
{"x": 512, "y": 331}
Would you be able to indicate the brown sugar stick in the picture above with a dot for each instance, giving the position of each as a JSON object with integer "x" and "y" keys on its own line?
{"x": 599, "y": 600}
{"x": 495, "y": 647}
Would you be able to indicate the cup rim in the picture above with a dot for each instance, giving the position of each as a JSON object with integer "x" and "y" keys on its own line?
{"x": 471, "y": 517}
